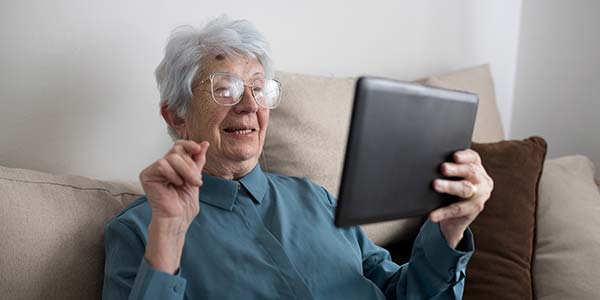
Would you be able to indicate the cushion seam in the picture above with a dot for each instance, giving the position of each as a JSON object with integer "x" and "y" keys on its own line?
{"x": 73, "y": 186}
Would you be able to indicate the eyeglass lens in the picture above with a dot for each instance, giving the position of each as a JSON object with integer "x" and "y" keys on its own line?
{"x": 228, "y": 90}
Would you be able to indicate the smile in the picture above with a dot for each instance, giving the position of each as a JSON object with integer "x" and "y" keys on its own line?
{"x": 240, "y": 131}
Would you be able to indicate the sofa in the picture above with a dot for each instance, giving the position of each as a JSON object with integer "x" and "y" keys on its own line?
{"x": 538, "y": 238}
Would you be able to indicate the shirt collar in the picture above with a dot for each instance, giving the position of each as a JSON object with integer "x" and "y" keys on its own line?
{"x": 221, "y": 192}
{"x": 256, "y": 183}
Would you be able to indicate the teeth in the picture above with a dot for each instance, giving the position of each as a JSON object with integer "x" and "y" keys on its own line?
{"x": 246, "y": 131}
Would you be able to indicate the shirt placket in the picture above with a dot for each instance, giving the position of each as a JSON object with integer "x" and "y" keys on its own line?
{"x": 272, "y": 248}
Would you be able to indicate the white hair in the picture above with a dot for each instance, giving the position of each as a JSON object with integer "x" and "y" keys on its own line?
{"x": 189, "y": 49}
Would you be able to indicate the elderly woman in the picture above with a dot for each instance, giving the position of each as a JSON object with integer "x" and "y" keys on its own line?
{"x": 213, "y": 225}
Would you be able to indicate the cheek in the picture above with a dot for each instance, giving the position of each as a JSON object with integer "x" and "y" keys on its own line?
{"x": 204, "y": 122}
{"x": 263, "y": 120}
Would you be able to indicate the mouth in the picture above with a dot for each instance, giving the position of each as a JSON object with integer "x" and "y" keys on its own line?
{"x": 240, "y": 130}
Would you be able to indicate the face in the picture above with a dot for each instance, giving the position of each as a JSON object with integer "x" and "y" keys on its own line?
{"x": 236, "y": 133}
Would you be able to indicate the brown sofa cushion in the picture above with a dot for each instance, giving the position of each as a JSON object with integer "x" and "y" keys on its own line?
{"x": 52, "y": 233}
{"x": 501, "y": 266}
{"x": 567, "y": 253}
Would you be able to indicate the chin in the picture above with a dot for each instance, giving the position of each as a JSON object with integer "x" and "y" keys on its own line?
{"x": 244, "y": 154}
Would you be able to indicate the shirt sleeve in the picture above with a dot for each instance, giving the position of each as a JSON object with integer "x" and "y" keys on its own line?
{"x": 127, "y": 275}
{"x": 434, "y": 271}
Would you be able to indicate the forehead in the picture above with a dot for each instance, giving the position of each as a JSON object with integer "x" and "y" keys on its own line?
{"x": 243, "y": 66}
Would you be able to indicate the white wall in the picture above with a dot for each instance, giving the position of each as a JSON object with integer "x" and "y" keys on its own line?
{"x": 76, "y": 84}
{"x": 557, "y": 91}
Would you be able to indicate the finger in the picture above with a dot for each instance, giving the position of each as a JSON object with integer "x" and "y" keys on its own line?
{"x": 186, "y": 147}
{"x": 167, "y": 172}
{"x": 468, "y": 208}
{"x": 463, "y": 188}
{"x": 188, "y": 172}
{"x": 469, "y": 171}
{"x": 200, "y": 157}
{"x": 467, "y": 156}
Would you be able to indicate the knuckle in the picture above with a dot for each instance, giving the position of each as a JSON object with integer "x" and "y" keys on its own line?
{"x": 457, "y": 209}
{"x": 473, "y": 167}
{"x": 161, "y": 168}
{"x": 177, "y": 148}
{"x": 467, "y": 187}
{"x": 472, "y": 173}
{"x": 480, "y": 205}
{"x": 162, "y": 163}
{"x": 171, "y": 156}
{"x": 191, "y": 174}
{"x": 474, "y": 153}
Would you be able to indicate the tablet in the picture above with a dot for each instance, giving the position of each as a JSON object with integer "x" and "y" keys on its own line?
{"x": 400, "y": 133}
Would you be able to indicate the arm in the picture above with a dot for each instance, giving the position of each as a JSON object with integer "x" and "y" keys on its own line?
{"x": 127, "y": 274}
{"x": 150, "y": 271}
{"x": 435, "y": 270}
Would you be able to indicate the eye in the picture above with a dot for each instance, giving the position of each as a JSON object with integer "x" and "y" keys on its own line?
{"x": 223, "y": 92}
{"x": 258, "y": 87}
{"x": 258, "y": 90}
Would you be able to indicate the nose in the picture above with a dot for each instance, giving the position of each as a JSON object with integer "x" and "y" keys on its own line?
{"x": 247, "y": 104}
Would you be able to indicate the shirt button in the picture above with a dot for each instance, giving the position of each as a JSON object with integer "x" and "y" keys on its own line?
{"x": 176, "y": 288}
{"x": 239, "y": 186}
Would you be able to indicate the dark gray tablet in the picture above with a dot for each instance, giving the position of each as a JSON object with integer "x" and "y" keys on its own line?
{"x": 399, "y": 136}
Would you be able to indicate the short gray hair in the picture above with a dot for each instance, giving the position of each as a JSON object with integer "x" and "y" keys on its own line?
{"x": 189, "y": 49}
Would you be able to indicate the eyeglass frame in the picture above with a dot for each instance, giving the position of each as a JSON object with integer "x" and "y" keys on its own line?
{"x": 212, "y": 90}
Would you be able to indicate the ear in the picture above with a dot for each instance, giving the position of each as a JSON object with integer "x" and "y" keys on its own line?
{"x": 175, "y": 122}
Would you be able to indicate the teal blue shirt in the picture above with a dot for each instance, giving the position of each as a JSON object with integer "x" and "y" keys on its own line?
{"x": 270, "y": 236}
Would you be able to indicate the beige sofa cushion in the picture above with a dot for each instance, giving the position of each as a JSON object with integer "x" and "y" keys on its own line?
{"x": 478, "y": 80}
{"x": 58, "y": 221}
{"x": 567, "y": 260}
{"x": 308, "y": 132}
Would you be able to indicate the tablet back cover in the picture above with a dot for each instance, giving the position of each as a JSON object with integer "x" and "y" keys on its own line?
{"x": 400, "y": 134}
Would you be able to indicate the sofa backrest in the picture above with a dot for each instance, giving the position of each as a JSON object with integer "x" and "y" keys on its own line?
{"x": 52, "y": 233}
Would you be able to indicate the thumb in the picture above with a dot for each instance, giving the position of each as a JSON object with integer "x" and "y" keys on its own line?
{"x": 200, "y": 157}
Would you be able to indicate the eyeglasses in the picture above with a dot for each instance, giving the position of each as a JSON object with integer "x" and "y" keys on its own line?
{"x": 228, "y": 89}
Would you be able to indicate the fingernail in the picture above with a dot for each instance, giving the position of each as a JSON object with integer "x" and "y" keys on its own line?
{"x": 448, "y": 168}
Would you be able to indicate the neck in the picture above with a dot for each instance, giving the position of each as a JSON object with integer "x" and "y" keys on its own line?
{"x": 229, "y": 170}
